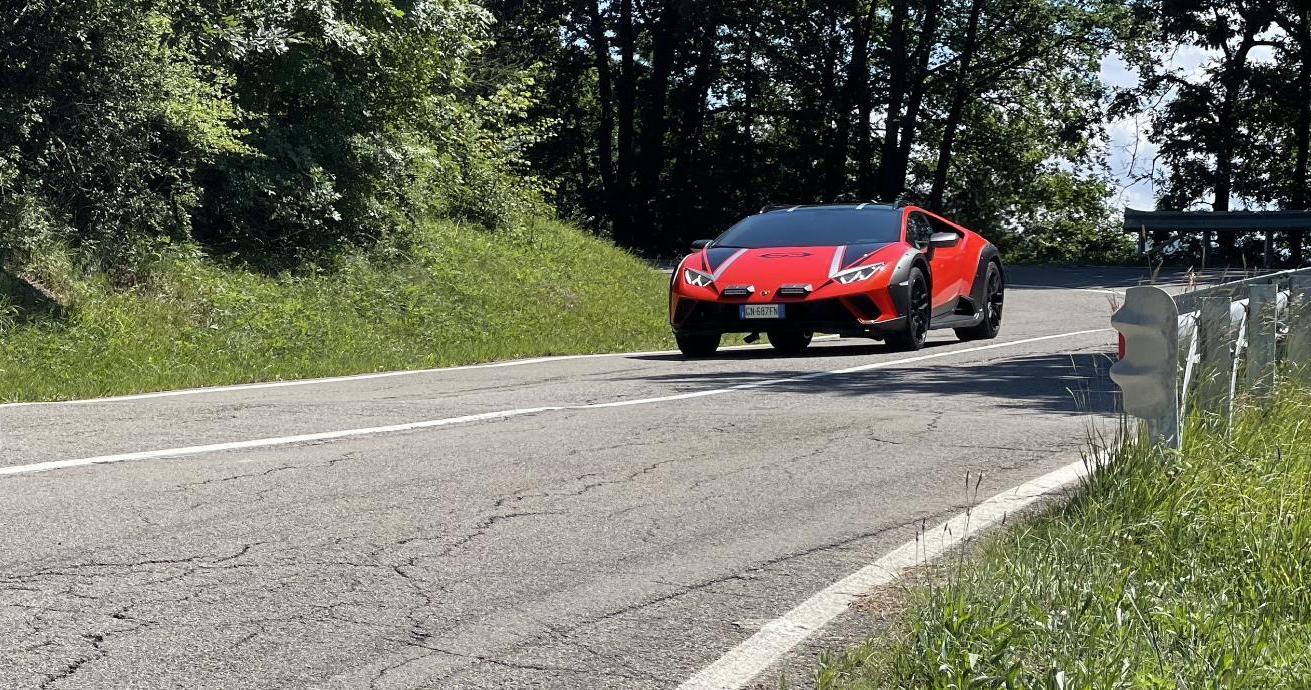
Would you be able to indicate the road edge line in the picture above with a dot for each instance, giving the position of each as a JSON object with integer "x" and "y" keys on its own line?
{"x": 346, "y": 378}
{"x": 741, "y": 664}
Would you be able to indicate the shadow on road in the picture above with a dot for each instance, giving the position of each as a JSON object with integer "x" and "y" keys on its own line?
{"x": 1065, "y": 384}
{"x": 821, "y": 349}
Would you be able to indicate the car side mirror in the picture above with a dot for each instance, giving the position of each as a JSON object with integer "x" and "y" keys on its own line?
{"x": 698, "y": 245}
{"x": 943, "y": 240}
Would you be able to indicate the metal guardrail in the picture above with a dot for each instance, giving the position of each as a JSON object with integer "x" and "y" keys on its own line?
{"x": 1207, "y": 347}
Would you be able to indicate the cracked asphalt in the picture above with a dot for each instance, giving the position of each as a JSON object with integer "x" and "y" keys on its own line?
{"x": 616, "y": 547}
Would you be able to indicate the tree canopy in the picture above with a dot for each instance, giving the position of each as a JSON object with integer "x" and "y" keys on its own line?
{"x": 277, "y": 131}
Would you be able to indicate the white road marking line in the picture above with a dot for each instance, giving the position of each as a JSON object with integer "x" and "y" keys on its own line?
{"x": 365, "y": 377}
{"x": 747, "y": 660}
{"x": 266, "y": 442}
{"x": 503, "y": 414}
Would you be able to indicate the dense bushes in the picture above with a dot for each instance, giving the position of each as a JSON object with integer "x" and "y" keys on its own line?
{"x": 267, "y": 128}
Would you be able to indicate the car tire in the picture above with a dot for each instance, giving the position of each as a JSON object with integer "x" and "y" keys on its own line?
{"x": 697, "y": 345}
{"x": 790, "y": 342}
{"x": 919, "y": 314}
{"x": 994, "y": 293}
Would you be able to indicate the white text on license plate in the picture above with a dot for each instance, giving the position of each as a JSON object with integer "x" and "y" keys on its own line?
{"x": 760, "y": 311}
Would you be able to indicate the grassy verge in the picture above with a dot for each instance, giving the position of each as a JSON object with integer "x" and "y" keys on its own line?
{"x": 464, "y": 296}
{"x": 1185, "y": 574}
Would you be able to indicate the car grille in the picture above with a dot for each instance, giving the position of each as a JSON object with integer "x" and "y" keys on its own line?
{"x": 826, "y": 314}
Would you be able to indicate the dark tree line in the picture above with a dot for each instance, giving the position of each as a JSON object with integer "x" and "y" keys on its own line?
{"x": 674, "y": 117}
{"x": 278, "y": 130}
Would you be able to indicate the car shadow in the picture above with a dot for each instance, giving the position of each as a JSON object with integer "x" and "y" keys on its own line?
{"x": 1074, "y": 384}
{"x": 821, "y": 349}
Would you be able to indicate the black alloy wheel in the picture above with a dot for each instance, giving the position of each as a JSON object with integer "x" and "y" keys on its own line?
{"x": 994, "y": 297}
{"x": 919, "y": 313}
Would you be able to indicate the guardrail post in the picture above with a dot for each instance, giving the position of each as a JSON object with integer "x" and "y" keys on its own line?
{"x": 1261, "y": 333}
{"x": 1148, "y": 374}
{"x": 1299, "y": 323}
{"x": 1215, "y": 331}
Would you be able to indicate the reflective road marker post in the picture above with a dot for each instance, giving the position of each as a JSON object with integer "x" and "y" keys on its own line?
{"x": 1215, "y": 328}
{"x": 1299, "y": 324}
{"x": 1261, "y": 329}
{"x": 1148, "y": 372}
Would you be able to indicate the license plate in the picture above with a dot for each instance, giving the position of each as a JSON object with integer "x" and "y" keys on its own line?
{"x": 760, "y": 311}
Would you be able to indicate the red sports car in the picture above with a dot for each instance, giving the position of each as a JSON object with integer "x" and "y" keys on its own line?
{"x": 858, "y": 270}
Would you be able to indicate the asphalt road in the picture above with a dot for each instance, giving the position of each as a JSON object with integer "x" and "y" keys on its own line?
{"x": 586, "y": 544}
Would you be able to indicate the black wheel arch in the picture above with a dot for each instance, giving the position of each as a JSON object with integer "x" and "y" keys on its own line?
{"x": 901, "y": 274}
{"x": 989, "y": 255}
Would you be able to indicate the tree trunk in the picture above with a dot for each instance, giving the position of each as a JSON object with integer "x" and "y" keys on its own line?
{"x": 749, "y": 120}
{"x": 605, "y": 96}
{"x": 686, "y": 150}
{"x": 836, "y": 180}
{"x": 1226, "y": 125}
{"x": 651, "y": 162}
{"x": 622, "y": 198}
{"x": 1300, "y": 196}
{"x": 959, "y": 99}
{"x": 910, "y": 120}
{"x": 864, "y": 150}
{"x": 888, "y": 188}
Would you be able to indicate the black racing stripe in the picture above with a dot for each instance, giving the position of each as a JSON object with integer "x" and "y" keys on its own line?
{"x": 717, "y": 255}
{"x": 855, "y": 251}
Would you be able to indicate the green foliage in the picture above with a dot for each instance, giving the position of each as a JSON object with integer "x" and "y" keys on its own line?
{"x": 1234, "y": 130}
{"x": 279, "y": 131}
{"x": 1181, "y": 572}
{"x": 363, "y": 116}
{"x": 736, "y": 104}
{"x": 461, "y": 296}
{"x": 104, "y": 116}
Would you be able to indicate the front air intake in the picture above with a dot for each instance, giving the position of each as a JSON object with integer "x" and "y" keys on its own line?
{"x": 794, "y": 290}
{"x": 739, "y": 291}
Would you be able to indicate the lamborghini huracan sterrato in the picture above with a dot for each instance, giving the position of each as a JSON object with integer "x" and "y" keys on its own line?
{"x": 889, "y": 273}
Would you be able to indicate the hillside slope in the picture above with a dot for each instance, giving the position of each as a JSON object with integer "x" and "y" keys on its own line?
{"x": 463, "y": 296}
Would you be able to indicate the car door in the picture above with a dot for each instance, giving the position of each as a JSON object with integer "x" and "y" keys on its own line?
{"x": 944, "y": 262}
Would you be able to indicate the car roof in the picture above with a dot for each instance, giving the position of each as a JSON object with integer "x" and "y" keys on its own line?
{"x": 870, "y": 206}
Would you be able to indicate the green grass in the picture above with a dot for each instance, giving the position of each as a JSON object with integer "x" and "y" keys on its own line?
{"x": 1186, "y": 572}
{"x": 463, "y": 296}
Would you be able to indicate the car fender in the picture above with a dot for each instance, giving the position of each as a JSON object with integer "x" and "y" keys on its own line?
{"x": 897, "y": 287}
{"x": 987, "y": 255}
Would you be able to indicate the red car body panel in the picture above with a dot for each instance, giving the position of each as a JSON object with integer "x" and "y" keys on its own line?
{"x": 871, "y": 307}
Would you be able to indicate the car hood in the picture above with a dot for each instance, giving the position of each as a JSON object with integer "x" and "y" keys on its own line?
{"x": 787, "y": 265}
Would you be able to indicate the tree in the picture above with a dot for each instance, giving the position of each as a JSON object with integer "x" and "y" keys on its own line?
{"x": 723, "y": 105}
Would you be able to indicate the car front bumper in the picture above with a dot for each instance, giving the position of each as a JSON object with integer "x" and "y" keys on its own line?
{"x": 852, "y": 316}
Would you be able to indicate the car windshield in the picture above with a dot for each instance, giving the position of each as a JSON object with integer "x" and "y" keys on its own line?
{"x": 815, "y": 227}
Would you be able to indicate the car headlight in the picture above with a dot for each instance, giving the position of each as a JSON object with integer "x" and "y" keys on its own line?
{"x": 858, "y": 274}
{"x": 697, "y": 278}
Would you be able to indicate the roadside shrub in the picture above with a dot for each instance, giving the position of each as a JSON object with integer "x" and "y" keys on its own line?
{"x": 277, "y": 132}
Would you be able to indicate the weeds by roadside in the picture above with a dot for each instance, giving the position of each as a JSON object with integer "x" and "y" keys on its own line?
{"x": 1183, "y": 571}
